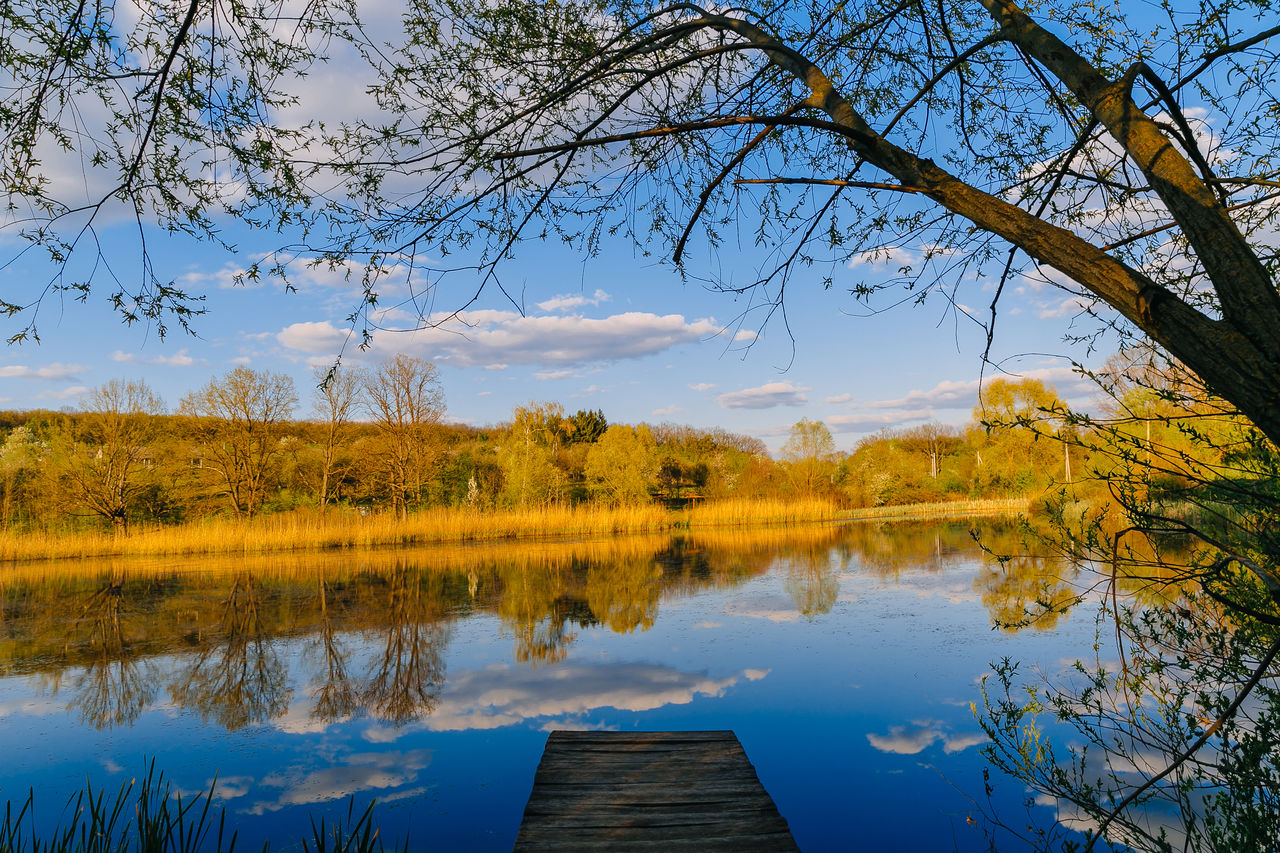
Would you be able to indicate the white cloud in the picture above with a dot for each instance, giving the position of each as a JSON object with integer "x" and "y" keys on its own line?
{"x": 872, "y": 421}
{"x": 765, "y": 396}
{"x": 702, "y": 386}
{"x": 485, "y": 338}
{"x": 667, "y": 411}
{"x": 745, "y": 336}
{"x": 886, "y": 258}
{"x": 321, "y": 338}
{"x": 57, "y": 370}
{"x": 64, "y": 393}
{"x": 553, "y": 374}
{"x": 945, "y": 395}
{"x": 178, "y": 359}
{"x": 839, "y": 398}
{"x": 565, "y": 302}
{"x": 1068, "y": 307}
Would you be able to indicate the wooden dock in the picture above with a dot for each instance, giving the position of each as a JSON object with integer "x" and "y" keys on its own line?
{"x": 649, "y": 791}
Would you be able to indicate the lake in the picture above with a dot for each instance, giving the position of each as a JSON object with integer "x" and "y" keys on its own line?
{"x": 845, "y": 658}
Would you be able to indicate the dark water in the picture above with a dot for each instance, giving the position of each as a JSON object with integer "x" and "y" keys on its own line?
{"x": 845, "y": 658}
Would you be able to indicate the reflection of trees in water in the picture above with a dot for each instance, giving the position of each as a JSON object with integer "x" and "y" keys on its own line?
{"x": 1026, "y": 591}
{"x": 405, "y": 681}
{"x": 623, "y": 594}
{"x": 888, "y": 549}
{"x": 241, "y": 680}
{"x": 113, "y": 686}
{"x": 533, "y": 604}
{"x": 811, "y": 580}
{"x": 403, "y": 602}
{"x": 336, "y": 697}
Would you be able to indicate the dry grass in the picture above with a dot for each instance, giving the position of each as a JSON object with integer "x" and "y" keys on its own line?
{"x": 309, "y": 530}
{"x": 945, "y": 509}
{"x": 305, "y": 530}
{"x": 744, "y": 513}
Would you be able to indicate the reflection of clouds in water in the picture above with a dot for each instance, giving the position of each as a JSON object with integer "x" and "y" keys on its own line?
{"x": 31, "y": 707}
{"x": 300, "y": 717}
{"x": 919, "y": 735}
{"x": 755, "y": 674}
{"x": 575, "y": 726}
{"x": 360, "y": 772}
{"x": 228, "y": 788}
{"x": 502, "y": 695}
{"x": 775, "y": 608}
{"x": 708, "y": 625}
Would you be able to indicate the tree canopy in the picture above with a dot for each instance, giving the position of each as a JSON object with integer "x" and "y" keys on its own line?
{"x": 1126, "y": 154}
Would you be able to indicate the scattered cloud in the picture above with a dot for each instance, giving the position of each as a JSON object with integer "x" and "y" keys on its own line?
{"x": 702, "y": 386}
{"x": 567, "y": 302}
{"x": 487, "y": 337}
{"x": 553, "y": 374}
{"x": 57, "y": 370}
{"x": 745, "y": 336}
{"x": 765, "y": 396}
{"x": 1067, "y": 307}
{"x": 68, "y": 393}
{"x": 839, "y": 398}
{"x": 872, "y": 421}
{"x": 667, "y": 411}
{"x": 181, "y": 358}
{"x": 315, "y": 338}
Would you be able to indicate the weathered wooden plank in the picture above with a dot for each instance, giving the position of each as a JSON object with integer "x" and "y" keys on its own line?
{"x": 721, "y": 735}
{"x": 607, "y": 823}
{"x": 760, "y": 843}
{"x": 559, "y": 796}
{"x": 645, "y": 791}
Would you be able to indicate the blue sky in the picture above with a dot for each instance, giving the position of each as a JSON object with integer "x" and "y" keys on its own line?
{"x": 620, "y": 332}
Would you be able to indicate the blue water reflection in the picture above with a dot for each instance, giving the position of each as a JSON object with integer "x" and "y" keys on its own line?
{"x": 845, "y": 658}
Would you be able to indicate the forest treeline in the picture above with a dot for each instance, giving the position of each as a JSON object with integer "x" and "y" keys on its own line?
{"x": 377, "y": 441}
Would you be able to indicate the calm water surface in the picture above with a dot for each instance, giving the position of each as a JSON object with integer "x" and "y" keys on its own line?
{"x": 845, "y": 658}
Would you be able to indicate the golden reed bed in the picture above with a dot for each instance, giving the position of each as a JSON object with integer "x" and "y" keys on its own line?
{"x": 309, "y": 530}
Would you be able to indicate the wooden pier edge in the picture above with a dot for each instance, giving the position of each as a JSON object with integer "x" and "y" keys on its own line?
{"x": 650, "y": 791}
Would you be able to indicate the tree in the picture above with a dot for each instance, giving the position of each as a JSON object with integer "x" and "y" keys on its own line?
{"x": 406, "y": 401}
{"x": 336, "y": 398}
{"x": 810, "y": 452}
{"x": 104, "y": 454}
{"x": 20, "y": 458}
{"x": 1018, "y": 451}
{"x": 527, "y": 456}
{"x": 238, "y": 421}
{"x": 623, "y": 464}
